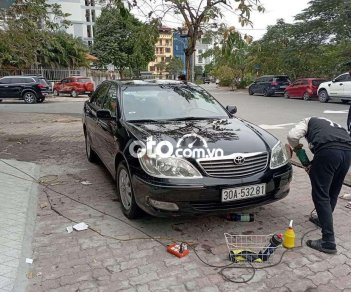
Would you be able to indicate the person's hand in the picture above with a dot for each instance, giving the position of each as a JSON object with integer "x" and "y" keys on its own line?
{"x": 298, "y": 147}
{"x": 289, "y": 150}
{"x": 308, "y": 168}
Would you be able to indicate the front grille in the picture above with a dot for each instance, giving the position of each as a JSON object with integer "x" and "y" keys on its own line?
{"x": 254, "y": 163}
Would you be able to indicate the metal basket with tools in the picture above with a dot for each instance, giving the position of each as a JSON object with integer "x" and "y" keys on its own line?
{"x": 253, "y": 248}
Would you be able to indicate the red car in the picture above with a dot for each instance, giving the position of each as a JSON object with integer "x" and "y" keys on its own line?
{"x": 304, "y": 88}
{"x": 74, "y": 86}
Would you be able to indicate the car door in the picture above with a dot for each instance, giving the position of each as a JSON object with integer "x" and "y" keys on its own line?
{"x": 14, "y": 87}
{"x": 65, "y": 85}
{"x": 347, "y": 86}
{"x": 257, "y": 85}
{"x": 97, "y": 104}
{"x": 107, "y": 129}
{"x": 293, "y": 90}
{"x": 90, "y": 109}
{"x": 4, "y": 85}
{"x": 336, "y": 87}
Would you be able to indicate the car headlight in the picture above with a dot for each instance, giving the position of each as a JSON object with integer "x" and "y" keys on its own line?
{"x": 279, "y": 156}
{"x": 170, "y": 167}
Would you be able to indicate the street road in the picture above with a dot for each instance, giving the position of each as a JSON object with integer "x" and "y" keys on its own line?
{"x": 275, "y": 114}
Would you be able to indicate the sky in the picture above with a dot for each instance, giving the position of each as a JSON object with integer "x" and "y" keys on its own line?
{"x": 275, "y": 9}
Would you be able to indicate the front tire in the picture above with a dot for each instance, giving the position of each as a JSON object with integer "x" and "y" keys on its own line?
{"x": 250, "y": 91}
{"x": 266, "y": 93}
{"x": 29, "y": 97}
{"x": 286, "y": 94}
{"x": 306, "y": 96}
{"x": 323, "y": 96}
{"x": 345, "y": 101}
{"x": 125, "y": 192}
{"x": 56, "y": 93}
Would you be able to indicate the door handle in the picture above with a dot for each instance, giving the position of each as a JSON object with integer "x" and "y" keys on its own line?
{"x": 341, "y": 84}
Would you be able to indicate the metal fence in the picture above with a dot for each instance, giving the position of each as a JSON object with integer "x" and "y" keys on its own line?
{"x": 53, "y": 75}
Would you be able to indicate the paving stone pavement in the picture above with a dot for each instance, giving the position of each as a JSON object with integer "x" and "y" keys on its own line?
{"x": 87, "y": 261}
{"x": 108, "y": 259}
{"x": 17, "y": 213}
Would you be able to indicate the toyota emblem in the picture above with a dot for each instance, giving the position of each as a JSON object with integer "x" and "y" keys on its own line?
{"x": 239, "y": 160}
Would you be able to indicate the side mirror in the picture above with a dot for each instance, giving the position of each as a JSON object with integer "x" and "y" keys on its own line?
{"x": 334, "y": 80}
{"x": 103, "y": 114}
{"x": 232, "y": 109}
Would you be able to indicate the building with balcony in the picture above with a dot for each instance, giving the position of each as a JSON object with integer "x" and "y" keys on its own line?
{"x": 163, "y": 52}
{"x": 83, "y": 14}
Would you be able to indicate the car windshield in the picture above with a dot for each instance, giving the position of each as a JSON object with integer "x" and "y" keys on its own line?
{"x": 318, "y": 82}
{"x": 169, "y": 102}
{"x": 83, "y": 80}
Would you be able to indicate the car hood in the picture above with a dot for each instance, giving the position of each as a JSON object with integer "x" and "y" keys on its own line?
{"x": 231, "y": 135}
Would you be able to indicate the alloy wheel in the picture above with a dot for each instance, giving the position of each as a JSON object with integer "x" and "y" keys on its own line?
{"x": 29, "y": 97}
{"x": 74, "y": 93}
{"x": 323, "y": 96}
{"x": 306, "y": 96}
{"x": 286, "y": 95}
{"x": 125, "y": 189}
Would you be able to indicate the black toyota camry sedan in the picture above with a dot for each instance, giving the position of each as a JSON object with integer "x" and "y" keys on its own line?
{"x": 174, "y": 150}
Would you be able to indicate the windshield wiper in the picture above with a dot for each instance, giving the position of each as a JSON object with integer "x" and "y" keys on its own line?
{"x": 145, "y": 121}
{"x": 193, "y": 118}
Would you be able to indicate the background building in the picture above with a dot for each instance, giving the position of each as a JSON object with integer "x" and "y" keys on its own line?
{"x": 163, "y": 52}
{"x": 83, "y": 17}
{"x": 202, "y": 46}
{"x": 179, "y": 45}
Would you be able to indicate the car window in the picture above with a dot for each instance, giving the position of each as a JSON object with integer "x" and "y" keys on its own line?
{"x": 5, "y": 81}
{"x": 342, "y": 77}
{"x": 258, "y": 80}
{"x": 297, "y": 82}
{"x": 25, "y": 80}
{"x": 110, "y": 102}
{"x": 83, "y": 80}
{"x": 64, "y": 81}
{"x": 100, "y": 95}
{"x": 169, "y": 102}
{"x": 282, "y": 79}
{"x": 348, "y": 77}
{"x": 305, "y": 82}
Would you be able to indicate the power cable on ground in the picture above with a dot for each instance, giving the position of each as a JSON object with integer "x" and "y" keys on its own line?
{"x": 149, "y": 237}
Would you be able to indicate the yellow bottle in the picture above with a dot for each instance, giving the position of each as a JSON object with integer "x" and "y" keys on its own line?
{"x": 289, "y": 237}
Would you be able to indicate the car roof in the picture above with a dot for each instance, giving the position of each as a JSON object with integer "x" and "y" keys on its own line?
{"x": 22, "y": 76}
{"x": 151, "y": 82}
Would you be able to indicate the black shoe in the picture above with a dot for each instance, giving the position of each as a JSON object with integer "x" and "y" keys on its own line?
{"x": 315, "y": 221}
{"x": 322, "y": 246}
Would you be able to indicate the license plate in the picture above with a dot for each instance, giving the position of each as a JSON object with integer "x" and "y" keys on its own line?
{"x": 242, "y": 193}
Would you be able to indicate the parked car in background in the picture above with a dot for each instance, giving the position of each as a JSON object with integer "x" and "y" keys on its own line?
{"x": 121, "y": 116}
{"x": 32, "y": 89}
{"x": 338, "y": 88}
{"x": 74, "y": 86}
{"x": 269, "y": 85}
{"x": 304, "y": 88}
{"x": 207, "y": 80}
